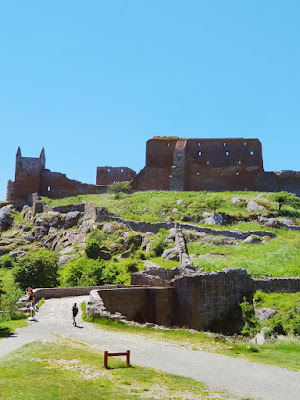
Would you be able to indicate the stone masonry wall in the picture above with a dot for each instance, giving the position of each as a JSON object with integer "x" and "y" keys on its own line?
{"x": 140, "y": 304}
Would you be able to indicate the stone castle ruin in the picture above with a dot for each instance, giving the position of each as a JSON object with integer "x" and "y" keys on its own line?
{"x": 172, "y": 163}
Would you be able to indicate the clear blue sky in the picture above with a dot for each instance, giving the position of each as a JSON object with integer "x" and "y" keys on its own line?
{"x": 92, "y": 80}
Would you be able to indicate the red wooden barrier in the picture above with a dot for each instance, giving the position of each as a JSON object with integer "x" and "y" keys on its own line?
{"x": 107, "y": 354}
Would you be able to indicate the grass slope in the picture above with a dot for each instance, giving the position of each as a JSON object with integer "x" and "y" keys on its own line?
{"x": 69, "y": 370}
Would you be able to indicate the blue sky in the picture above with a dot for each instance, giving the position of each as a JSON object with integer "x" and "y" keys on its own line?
{"x": 91, "y": 81}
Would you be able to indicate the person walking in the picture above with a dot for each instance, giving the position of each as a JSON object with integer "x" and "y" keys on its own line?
{"x": 74, "y": 312}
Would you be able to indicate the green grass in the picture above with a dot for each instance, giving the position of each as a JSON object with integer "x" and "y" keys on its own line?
{"x": 68, "y": 370}
{"x": 8, "y": 327}
{"x": 157, "y": 205}
{"x": 279, "y": 257}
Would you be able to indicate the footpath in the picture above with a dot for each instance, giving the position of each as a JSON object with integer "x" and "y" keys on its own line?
{"x": 239, "y": 377}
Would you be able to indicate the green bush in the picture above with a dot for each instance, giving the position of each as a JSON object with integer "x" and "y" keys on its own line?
{"x": 158, "y": 245}
{"x": 252, "y": 324}
{"x": 140, "y": 255}
{"x": 92, "y": 249}
{"x": 6, "y": 261}
{"x": 88, "y": 272}
{"x": 132, "y": 266}
{"x": 37, "y": 269}
{"x": 119, "y": 187}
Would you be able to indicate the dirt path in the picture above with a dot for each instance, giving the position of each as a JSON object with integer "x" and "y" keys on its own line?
{"x": 239, "y": 377}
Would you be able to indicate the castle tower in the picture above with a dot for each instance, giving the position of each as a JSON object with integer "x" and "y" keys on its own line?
{"x": 28, "y": 175}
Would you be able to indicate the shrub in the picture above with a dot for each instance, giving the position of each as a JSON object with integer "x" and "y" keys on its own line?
{"x": 132, "y": 266}
{"x": 37, "y": 269}
{"x": 88, "y": 272}
{"x": 119, "y": 187}
{"x": 140, "y": 255}
{"x": 158, "y": 245}
{"x": 252, "y": 324}
{"x": 6, "y": 261}
{"x": 92, "y": 249}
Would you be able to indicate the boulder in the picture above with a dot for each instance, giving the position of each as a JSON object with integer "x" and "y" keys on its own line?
{"x": 172, "y": 233}
{"x": 235, "y": 200}
{"x": 252, "y": 239}
{"x": 71, "y": 219}
{"x": 175, "y": 211}
{"x": 167, "y": 252}
{"x": 26, "y": 213}
{"x": 149, "y": 236}
{"x": 260, "y": 195}
{"x": 6, "y": 218}
{"x": 214, "y": 219}
{"x": 263, "y": 314}
{"x": 253, "y": 206}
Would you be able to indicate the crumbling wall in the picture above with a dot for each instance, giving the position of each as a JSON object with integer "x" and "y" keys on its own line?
{"x": 270, "y": 285}
{"x": 288, "y": 181}
{"x": 110, "y": 175}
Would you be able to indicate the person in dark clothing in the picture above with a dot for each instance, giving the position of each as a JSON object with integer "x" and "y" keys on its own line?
{"x": 74, "y": 312}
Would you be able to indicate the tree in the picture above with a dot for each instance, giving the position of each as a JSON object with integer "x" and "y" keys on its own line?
{"x": 37, "y": 269}
{"x": 119, "y": 187}
{"x": 285, "y": 198}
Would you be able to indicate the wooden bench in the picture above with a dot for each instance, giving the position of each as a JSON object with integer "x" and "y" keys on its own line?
{"x": 107, "y": 354}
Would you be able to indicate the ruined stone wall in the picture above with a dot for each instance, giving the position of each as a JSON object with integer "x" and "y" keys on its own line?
{"x": 110, "y": 175}
{"x": 288, "y": 181}
{"x": 270, "y": 285}
{"x": 57, "y": 185}
{"x": 159, "y": 160}
{"x": 224, "y": 164}
{"x": 202, "y": 298}
{"x": 140, "y": 304}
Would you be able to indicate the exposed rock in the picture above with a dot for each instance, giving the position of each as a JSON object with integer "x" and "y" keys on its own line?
{"x": 71, "y": 219}
{"x": 6, "y": 217}
{"x": 260, "y": 195}
{"x": 109, "y": 227}
{"x": 235, "y": 200}
{"x": 67, "y": 250}
{"x": 168, "y": 251}
{"x": 11, "y": 234}
{"x": 273, "y": 222}
{"x": 172, "y": 233}
{"x": 289, "y": 224}
{"x": 260, "y": 337}
{"x": 149, "y": 236}
{"x": 214, "y": 219}
{"x": 253, "y": 206}
{"x": 263, "y": 314}
{"x": 26, "y": 213}
{"x": 37, "y": 233}
{"x": 252, "y": 239}
{"x": 179, "y": 201}
{"x": 175, "y": 211}
{"x": 223, "y": 241}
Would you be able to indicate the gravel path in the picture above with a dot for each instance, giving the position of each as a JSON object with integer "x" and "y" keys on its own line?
{"x": 239, "y": 377}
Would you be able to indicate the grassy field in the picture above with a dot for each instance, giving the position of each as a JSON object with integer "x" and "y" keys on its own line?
{"x": 279, "y": 256}
{"x": 68, "y": 370}
{"x": 157, "y": 205}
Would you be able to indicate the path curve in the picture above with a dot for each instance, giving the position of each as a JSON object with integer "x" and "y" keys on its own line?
{"x": 242, "y": 378}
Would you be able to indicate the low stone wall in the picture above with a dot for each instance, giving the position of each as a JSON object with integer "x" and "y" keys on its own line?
{"x": 49, "y": 293}
{"x": 140, "y": 304}
{"x": 154, "y": 277}
{"x": 100, "y": 214}
{"x": 270, "y": 285}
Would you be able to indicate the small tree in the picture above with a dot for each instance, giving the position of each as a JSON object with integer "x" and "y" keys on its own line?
{"x": 37, "y": 269}
{"x": 119, "y": 187}
{"x": 92, "y": 249}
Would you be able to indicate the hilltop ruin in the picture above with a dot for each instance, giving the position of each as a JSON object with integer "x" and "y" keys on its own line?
{"x": 172, "y": 163}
